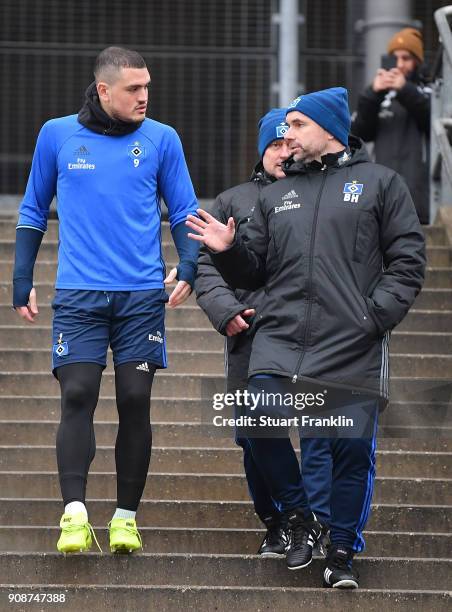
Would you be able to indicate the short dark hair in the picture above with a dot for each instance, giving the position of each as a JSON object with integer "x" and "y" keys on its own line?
{"x": 112, "y": 59}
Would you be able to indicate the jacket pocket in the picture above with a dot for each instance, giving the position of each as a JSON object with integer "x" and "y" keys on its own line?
{"x": 252, "y": 322}
{"x": 370, "y": 317}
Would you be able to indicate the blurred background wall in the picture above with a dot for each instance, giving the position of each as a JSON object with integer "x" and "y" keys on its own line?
{"x": 213, "y": 63}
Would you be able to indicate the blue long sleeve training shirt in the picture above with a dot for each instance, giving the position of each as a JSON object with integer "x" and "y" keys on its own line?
{"x": 108, "y": 192}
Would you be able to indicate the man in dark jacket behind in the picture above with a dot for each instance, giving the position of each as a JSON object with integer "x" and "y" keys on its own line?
{"x": 342, "y": 261}
{"x": 394, "y": 113}
{"x": 231, "y": 311}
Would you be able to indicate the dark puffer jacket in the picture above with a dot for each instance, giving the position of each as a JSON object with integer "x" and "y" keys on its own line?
{"x": 341, "y": 255}
{"x": 213, "y": 294}
{"x": 399, "y": 124}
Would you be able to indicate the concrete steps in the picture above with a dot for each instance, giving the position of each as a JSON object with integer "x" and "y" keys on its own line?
{"x": 180, "y": 434}
{"x": 434, "y": 321}
{"x": 225, "y": 460}
{"x": 189, "y": 597}
{"x": 195, "y": 386}
{"x": 435, "y": 277}
{"x": 428, "y": 299}
{"x": 26, "y": 336}
{"x": 215, "y": 487}
{"x": 191, "y": 316}
{"x": 213, "y": 570}
{"x": 438, "y": 256}
{"x": 199, "y": 528}
{"x": 182, "y": 410}
{"x": 211, "y": 362}
{"x": 235, "y": 514}
{"x": 435, "y": 235}
{"x": 224, "y": 540}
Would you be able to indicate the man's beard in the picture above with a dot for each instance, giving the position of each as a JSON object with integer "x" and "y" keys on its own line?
{"x": 307, "y": 157}
{"x": 303, "y": 156}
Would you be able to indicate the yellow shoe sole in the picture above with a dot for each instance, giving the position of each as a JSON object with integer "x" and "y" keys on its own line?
{"x": 123, "y": 549}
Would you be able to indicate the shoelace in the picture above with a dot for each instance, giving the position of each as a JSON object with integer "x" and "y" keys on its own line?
{"x": 94, "y": 536}
{"x": 131, "y": 530}
{"x": 74, "y": 527}
{"x": 323, "y": 543}
{"x": 300, "y": 535}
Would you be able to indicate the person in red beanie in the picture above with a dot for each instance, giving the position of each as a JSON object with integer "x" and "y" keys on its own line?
{"x": 394, "y": 113}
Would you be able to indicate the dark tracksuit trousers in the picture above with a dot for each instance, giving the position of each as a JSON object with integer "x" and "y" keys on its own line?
{"x": 338, "y": 476}
{"x": 267, "y": 508}
{"x": 236, "y": 371}
{"x": 335, "y": 481}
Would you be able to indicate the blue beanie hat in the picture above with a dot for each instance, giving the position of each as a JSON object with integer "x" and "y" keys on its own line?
{"x": 328, "y": 108}
{"x": 272, "y": 127}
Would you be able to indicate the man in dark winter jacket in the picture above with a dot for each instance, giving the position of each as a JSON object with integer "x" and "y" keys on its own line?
{"x": 342, "y": 261}
{"x": 230, "y": 311}
{"x": 394, "y": 112}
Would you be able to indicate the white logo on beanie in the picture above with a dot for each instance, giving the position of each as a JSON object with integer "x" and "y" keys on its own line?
{"x": 281, "y": 130}
{"x": 294, "y": 102}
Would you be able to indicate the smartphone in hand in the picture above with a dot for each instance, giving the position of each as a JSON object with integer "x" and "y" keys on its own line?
{"x": 388, "y": 61}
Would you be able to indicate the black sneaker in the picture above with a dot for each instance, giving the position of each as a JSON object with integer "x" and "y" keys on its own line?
{"x": 303, "y": 537}
{"x": 276, "y": 540}
{"x": 338, "y": 571}
{"x": 323, "y": 543}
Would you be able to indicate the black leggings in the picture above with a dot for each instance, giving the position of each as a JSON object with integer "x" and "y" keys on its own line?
{"x": 76, "y": 443}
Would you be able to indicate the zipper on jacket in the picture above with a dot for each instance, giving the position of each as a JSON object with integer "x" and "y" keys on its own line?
{"x": 311, "y": 253}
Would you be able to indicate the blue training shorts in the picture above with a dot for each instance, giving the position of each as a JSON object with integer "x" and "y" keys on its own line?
{"x": 85, "y": 323}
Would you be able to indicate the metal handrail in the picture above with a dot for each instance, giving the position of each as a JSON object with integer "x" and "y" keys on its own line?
{"x": 442, "y": 138}
{"x": 444, "y": 30}
{"x": 441, "y": 121}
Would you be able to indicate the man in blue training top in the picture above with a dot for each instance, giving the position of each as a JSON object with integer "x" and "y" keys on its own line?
{"x": 109, "y": 165}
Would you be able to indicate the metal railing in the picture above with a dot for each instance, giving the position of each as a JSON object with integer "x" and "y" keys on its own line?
{"x": 441, "y": 124}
